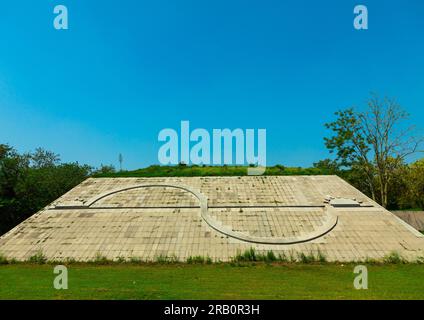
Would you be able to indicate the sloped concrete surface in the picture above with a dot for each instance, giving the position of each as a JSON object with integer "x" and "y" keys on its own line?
{"x": 211, "y": 216}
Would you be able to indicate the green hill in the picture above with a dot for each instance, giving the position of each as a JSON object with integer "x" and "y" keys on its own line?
{"x": 196, "y": 171}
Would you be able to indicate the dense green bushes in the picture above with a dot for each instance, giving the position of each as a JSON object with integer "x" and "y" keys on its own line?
{"x": 28, "y": 182}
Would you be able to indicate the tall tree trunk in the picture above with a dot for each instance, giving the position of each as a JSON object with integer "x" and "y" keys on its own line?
{"x": 371, "y": 186}
{"x": 381, "y": 182}
{"x": 386, "y": 187}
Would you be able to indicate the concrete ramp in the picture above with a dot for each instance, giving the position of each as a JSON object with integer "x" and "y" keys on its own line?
{"x": 218, "y": 217}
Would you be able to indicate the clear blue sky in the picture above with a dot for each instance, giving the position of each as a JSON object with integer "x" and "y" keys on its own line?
{"x": 127, "y": 69}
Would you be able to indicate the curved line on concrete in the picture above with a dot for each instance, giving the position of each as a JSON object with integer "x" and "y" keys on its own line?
{"x": 330, "y": 223}
{"x": 202, "y": 199}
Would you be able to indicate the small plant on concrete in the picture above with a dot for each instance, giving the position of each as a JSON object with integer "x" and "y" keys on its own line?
{"x": 321, "y": 257}
{"x": 173, "y": 259}
{"x": 420, "y": 260}
{"x": 292, "y": 257}
{"x": 38, "y": 258}
{"x": 100, "y": 259}
{"x": 310, "y": 258}
{"x": 369, "y": 260}
{"x": 70, "y": 261}
{"x": 162, "y": 259}
{"x": 199, "y": 260}
{"x": 270, "y": 257}
{"x": 196, "y": 260}
{"x": 248, "y": 255}
{"x": 238, "y": 257}
{"x": 135, "y": 260}
{"x": 251, "y": 255}
{"x": 393, "y": 258}
{"x": 120, "y": 260}
{"x": 282, "y": 257}
{"x": 3, "y": 259}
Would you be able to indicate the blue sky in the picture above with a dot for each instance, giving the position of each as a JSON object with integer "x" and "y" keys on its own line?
{"x": 125, "y": 70}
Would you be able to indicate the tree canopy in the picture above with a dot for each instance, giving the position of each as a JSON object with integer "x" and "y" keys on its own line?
{"x": 373, "y": 145}
{"x": 30, "y": 181}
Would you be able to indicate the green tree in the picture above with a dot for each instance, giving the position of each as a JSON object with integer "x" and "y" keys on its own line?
{"x": 412, "y": 196}
{"x": 373, "y": 143}
{"x": 29, "y": 182}
{"x": 328, "y": 165}
{"x": 105, "y": 169}
{"x": 42, "y": 158}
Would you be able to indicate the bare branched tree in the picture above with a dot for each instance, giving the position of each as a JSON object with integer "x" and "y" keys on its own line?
{"x": 390, "y": 142}
{"x": 376, "y": 142}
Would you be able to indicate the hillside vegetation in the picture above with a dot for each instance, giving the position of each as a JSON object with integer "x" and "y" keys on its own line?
{"x": 196, "y": 171}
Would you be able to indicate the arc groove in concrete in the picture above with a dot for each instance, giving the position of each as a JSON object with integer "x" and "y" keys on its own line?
{"x": 196, "y": 193}
{"x": 330, "y": 223}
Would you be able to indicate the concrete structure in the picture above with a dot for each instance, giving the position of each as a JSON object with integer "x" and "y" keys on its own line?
{"x": 213, "y": 216}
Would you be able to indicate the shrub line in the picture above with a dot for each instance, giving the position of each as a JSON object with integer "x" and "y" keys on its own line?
{"x": 250, "y": 256}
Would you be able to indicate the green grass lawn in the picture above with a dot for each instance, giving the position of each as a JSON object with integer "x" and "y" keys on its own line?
{"x": 221, "y": 281}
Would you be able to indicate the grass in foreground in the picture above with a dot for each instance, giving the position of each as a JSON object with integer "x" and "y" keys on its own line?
{"x": 215, "y": 281}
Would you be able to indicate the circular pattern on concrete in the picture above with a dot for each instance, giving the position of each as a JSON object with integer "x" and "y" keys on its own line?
{"x": 329, "y": 223}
